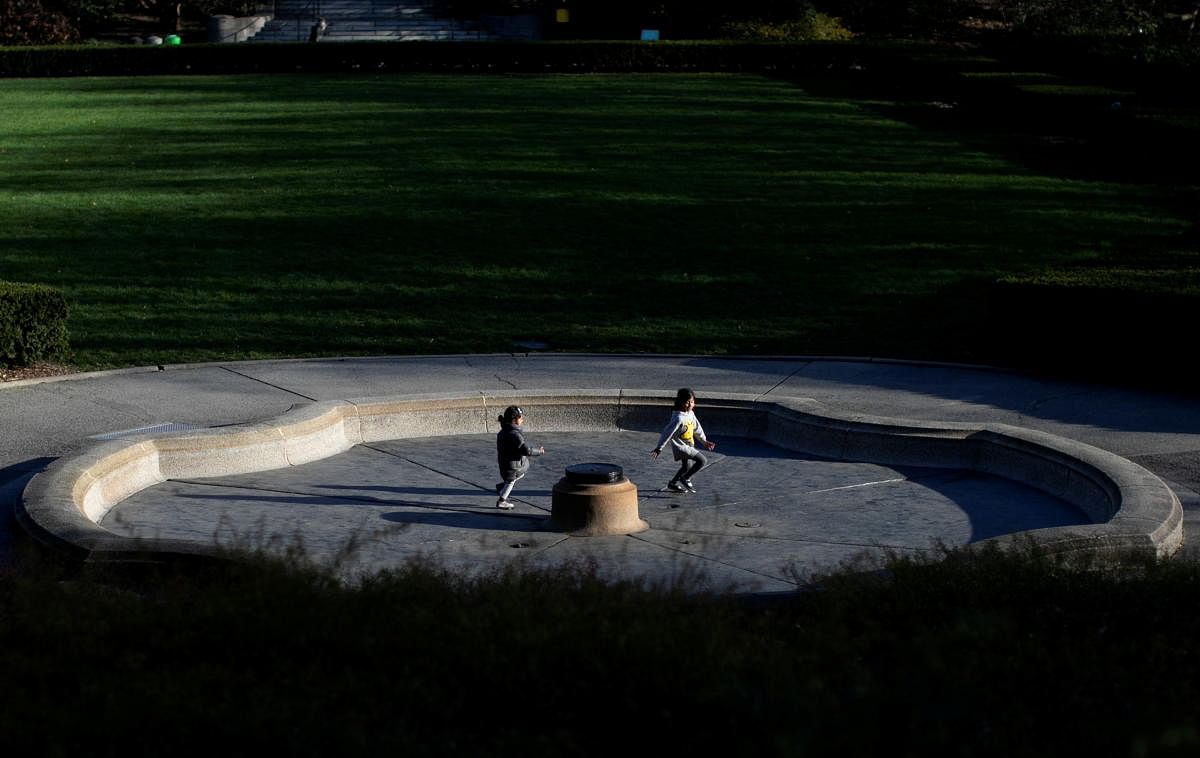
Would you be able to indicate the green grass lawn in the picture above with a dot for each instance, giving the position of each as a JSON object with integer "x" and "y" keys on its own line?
{"x": 208, "y": 218}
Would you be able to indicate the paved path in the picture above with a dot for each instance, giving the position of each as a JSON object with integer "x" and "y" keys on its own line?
{"x": 433, "y": 497}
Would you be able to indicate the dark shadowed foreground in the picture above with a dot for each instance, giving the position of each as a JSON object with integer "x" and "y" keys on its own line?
{"x": 999, "y": 655}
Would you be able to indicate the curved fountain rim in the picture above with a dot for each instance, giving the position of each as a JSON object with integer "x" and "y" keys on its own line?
{"x": 1133, "y": 511}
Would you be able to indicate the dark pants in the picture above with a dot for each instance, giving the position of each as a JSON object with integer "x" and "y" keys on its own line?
{"x": 690, "y": 467}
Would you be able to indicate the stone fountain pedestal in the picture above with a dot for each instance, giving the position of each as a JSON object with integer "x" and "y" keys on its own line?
{"x": 595, "y": 499}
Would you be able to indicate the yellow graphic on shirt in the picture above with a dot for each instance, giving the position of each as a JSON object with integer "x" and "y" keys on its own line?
{"x": 686, "y": 434}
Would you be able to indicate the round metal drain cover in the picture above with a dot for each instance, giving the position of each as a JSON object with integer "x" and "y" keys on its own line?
{"x": 594, "y": 473}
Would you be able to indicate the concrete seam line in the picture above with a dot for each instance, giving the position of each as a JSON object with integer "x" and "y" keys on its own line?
{"x": 487, "y": 415}
{"x": 283, "y": 446}
{"x": 351, "y": 423}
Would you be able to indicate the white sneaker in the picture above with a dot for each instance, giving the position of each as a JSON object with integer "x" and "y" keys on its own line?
{"x": 675, "y": 487}
{"x": 688, "y": 483}
{"x": 506, "y": 505}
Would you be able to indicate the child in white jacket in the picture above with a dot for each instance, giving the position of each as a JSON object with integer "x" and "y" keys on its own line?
{"x": 683, "y": 432}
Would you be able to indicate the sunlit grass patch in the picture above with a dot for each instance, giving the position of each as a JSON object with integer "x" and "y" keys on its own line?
{"x": 209, "y": 218}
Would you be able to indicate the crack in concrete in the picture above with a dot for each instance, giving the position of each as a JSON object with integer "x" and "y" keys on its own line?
{"x": 709, "y": 559}
{"x": 783, "y": 381}
{"x": 274, "y": 386}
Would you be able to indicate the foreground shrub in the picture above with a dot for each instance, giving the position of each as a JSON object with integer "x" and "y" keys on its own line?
{"x": 958, "y": 654}
{"x": 33, "y": 324}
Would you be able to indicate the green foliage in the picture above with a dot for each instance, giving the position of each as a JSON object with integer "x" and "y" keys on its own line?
{"x": 90, "y": 16}
{"x": 54, "y": 22}
{"x": 1145, "y": 19}
{"x": 902, "y": 17}
{"x": 33, "y": 323}
{"x": 49, "y": 22}
{"x": 815, "y": 26}
{"x": 34, "y": 22}
{"x": 622, "y": 19}
{"x": 1087, "y": 17}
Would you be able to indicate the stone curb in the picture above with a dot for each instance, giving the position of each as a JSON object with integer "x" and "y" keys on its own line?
{"x": 1132, "y": 510}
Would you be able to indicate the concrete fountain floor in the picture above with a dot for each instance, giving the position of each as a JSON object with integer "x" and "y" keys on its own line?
{"x": 764, "y": 518}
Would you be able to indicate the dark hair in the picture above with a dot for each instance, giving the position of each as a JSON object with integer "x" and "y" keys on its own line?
{"x": 682, "y": 396}
{"x": 510, "y": 413}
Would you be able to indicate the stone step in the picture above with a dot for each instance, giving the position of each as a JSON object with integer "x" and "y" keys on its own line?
{"x": 292, "y": 33}
{"x": 367, "y": 25}
{"x": 333, "y": 8}
{"x": 355, "y": 12}
{"x": 380, "y": 37}
{"x": 362, "y": 20}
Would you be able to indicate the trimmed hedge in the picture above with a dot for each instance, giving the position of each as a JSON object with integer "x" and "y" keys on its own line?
{"x": 1161, "y": 69}
{"x": 466, "y": 57}
{"x": 1166, "y": 66}
{"x": 33, "y": 324}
